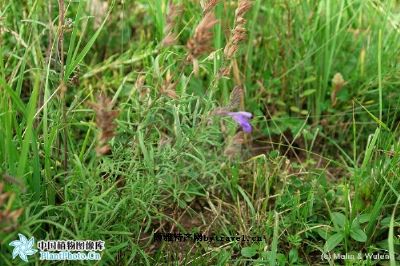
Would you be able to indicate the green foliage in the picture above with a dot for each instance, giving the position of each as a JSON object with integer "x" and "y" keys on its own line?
{"x": 319, "y": 174}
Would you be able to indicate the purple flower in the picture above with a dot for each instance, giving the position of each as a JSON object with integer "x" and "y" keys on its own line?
{"x": 242, "y": 118}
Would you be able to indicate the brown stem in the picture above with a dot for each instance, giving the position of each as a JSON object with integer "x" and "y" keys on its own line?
{"x": 61, "y": 22}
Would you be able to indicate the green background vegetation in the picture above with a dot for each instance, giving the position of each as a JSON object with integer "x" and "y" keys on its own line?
{"x": 312, "y": 177}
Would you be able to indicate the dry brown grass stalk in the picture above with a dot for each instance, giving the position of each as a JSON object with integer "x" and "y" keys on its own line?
{"x": 105, "y": 122}
{"x": 63, "y": 86}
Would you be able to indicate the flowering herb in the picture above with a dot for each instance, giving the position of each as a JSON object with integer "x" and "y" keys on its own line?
{"x": 242, "y": 118}
{"x": 236, "y": 102}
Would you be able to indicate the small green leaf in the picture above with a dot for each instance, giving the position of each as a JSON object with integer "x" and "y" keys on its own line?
{"x": 385, "y": 221}
{"x": 358, "y": 235}
{"x": 363, "y": 218}
{"x": 273, "y": 154}
{"x": 323, "y": 232}
{"x": 281, "y": 259}
{"x": 330, "y": 195}
{"x": 338, "y": 219}
{"x": 333, "y": 241}
{"x": 249, "y": 252}
{"x": 223, "y": 257}
{"x": 293, "y": 255}
{"x": 355, "y": 224}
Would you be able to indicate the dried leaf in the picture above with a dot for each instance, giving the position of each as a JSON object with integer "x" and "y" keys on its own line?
{"x": 14, "y": 215}
{"x": 103, "y": 150}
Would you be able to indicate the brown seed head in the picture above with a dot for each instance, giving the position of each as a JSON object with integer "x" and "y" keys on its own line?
{"x": 105, "y": 121}
{"x": 200, "y": 43}
{"x": 243, "y": 7}
{"x": 239, "y": 31}
{"x": 209, "y": 6}
{"x": 168, "y": 87}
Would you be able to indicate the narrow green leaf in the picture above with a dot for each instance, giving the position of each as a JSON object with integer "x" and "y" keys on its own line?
{"x": 74, "y": 33}
{"x": 85, "y": 50}
{"x": 274, "y": 245}
{"x": 29, "y": 114}
{"x": 391, "y": 236}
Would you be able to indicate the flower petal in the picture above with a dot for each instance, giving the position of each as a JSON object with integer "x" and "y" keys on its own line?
{"x": 22, "y": 238}
{"x": 246, "y": 127}
{"x": 245, "y": 114}
{"x": 15, "y": 243}
{"x": 30, "y": 243}
{"x": 23, "y": 256}
{"x": 15, "y": 252}
{"x": 239, "y": 119}
{"x": 242, "y": 120}
{"x": 30, "y": 252}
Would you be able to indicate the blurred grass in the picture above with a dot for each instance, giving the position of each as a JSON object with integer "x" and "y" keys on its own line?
{"x": 308, "y": 166}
